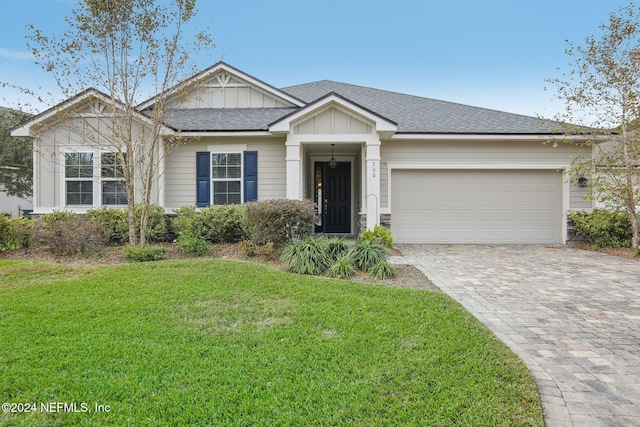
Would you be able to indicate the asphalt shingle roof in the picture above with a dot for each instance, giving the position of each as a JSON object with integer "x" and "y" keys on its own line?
{"x": 225, "y": 119}
{"x": 416, "y": 114}
{"x": 413, "y": 114}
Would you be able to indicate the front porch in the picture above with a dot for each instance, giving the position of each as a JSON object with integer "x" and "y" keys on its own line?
{"x": 342, "y": 178}
{"x": 333, "y": 158}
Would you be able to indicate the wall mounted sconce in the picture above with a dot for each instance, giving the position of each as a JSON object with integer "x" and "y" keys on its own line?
{"x": 583, "y": 182}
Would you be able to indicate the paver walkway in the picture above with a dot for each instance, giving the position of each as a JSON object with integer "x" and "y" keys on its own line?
{"x": 573, "y": 316}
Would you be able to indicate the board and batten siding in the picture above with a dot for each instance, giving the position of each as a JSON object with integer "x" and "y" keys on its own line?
{"x": 509, "y": 153}
{"x": 180, "y": 169}
{"x": 87, "y": 134}
{"x": 333, "y": 121}
{"x": 224, "y": 91}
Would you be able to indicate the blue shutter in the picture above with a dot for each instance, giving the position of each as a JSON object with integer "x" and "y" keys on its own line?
{"x": 203, "y": 179}
{"x": 250, "y": 176}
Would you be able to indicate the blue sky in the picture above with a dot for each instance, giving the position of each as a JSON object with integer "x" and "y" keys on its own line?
{"x": 494, "y": 54}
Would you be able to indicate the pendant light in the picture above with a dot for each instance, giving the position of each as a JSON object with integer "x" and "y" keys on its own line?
{"x": 333, "y": 163}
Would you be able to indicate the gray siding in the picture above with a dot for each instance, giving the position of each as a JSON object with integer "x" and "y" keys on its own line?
{"x": 333, "y": 121}
{"x": 180, "y": 174}
{"x": 224, "y": 91}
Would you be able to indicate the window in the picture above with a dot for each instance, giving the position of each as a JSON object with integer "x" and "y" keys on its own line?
{"x": 82, "y": 177}
{"x": 114, "y": 191}
{"x": 226, "y": 174}
{"x": 78, "y": 174}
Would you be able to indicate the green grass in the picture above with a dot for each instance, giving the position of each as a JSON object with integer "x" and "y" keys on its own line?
{"x": 214, "y": 342}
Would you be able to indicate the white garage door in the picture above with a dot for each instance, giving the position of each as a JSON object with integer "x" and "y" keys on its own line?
{"x": 476, "y": 206}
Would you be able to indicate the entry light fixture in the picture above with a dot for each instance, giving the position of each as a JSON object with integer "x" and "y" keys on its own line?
{"x": 583, "y": 182}
{"x": 333, "y": 163}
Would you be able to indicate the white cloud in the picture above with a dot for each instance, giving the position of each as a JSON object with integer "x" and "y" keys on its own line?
{"x": 16, "y": 54}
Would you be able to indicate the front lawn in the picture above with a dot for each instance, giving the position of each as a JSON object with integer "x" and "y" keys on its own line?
{"x": 216, "y": 342}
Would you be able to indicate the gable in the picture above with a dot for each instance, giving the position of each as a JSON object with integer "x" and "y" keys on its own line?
{"x": 90, "y": 106}
{"x": 335, "y": 114}
{"x": 333, "y": 121}
{"x": 226, "y": 90}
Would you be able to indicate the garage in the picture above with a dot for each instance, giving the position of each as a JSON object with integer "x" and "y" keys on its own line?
{"x": 476, "y": 206}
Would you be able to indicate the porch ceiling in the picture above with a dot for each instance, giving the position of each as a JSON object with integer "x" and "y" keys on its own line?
{"x": 338, "y": 149}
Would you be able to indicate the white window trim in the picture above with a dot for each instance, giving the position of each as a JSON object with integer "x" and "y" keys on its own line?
{"x": 96, "y": 179}
{"x": 64, "y": 179}
{"x": 240, "y": 179}
{"x": 101, "y": 180}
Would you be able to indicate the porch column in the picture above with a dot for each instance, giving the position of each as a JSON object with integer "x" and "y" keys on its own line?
{"x": 372, "y": 195}
{"x": 294, "y": 169}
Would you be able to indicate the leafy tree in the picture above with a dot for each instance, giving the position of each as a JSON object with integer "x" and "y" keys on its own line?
{"x": 130, "y": 50}
{"x": 16, "y": 157}
{"x": 601, "y": 90}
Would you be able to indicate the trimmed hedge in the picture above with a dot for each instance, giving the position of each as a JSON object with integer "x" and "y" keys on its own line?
{"x": 115, "y": 223}
{"x": 604, "y": 228}
{"x": 67, "y": 233}
{"x": 267, "y": 221}
{"x": 279, "y": 221}
{"x": 15, "y": 233}
{"x": 215, "y": 224}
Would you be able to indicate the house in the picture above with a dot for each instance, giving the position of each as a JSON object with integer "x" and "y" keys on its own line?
{"x": 434, "y": 171}
{"x": 13, "y": 205}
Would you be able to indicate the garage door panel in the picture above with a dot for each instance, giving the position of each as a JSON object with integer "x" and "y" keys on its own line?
{"x": 455, "y": 196}
{"x": 537, "y": 216}
{"x": 476, "y": 206}
{"x": 536, "y": 235}
{"x": 496, "y": 234}
{"x": 497, "y": 196}
{"x": 536, "y": 196}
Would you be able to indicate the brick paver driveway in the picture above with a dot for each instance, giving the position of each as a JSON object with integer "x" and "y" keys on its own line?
{"x": 573, "y": 316}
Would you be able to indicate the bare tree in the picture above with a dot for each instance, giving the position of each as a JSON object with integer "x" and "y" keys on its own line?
{"x": 601, "y": 91}
{"x": 131, "y": 50}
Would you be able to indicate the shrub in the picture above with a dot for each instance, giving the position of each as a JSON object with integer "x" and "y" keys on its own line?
{"x": 249, "y": 249}
{"x": 15, "y": 233}
{"x": 379, "y": 234}
{"x": 69, "y": 234}
{"x": 382, "y": 270}
{"x": 308, "y": 256}
{"x": 279, "y": 221}
{"x": 365, "y": 254}
{"x": 188, "y": 243}
{"x": 337, "y": 248}
{"x": 113, "y": 222}
{"x": 223, "y": 224}
{"x": 184, "y": 221}
{"x": 216, "y": 224}
{"x": 336, "y": 257}
{"x": 603, "y": 227}
{"x": 268, "y": 251}
{"x": 342, "y": 268}
{"x": 144, "y": 254}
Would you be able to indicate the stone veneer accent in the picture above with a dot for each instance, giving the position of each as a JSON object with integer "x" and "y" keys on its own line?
{"x": 385, "y": 221}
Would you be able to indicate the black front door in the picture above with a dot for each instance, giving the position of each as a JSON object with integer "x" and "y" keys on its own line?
{"x": 336, "y": 197}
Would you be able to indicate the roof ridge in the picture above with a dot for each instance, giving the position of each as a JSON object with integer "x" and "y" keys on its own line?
{"x": 444, "y": 101}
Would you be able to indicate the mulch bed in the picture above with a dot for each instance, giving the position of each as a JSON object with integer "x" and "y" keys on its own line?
{"x": 406, "y": 276}
{"x": 619, "y": 252}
